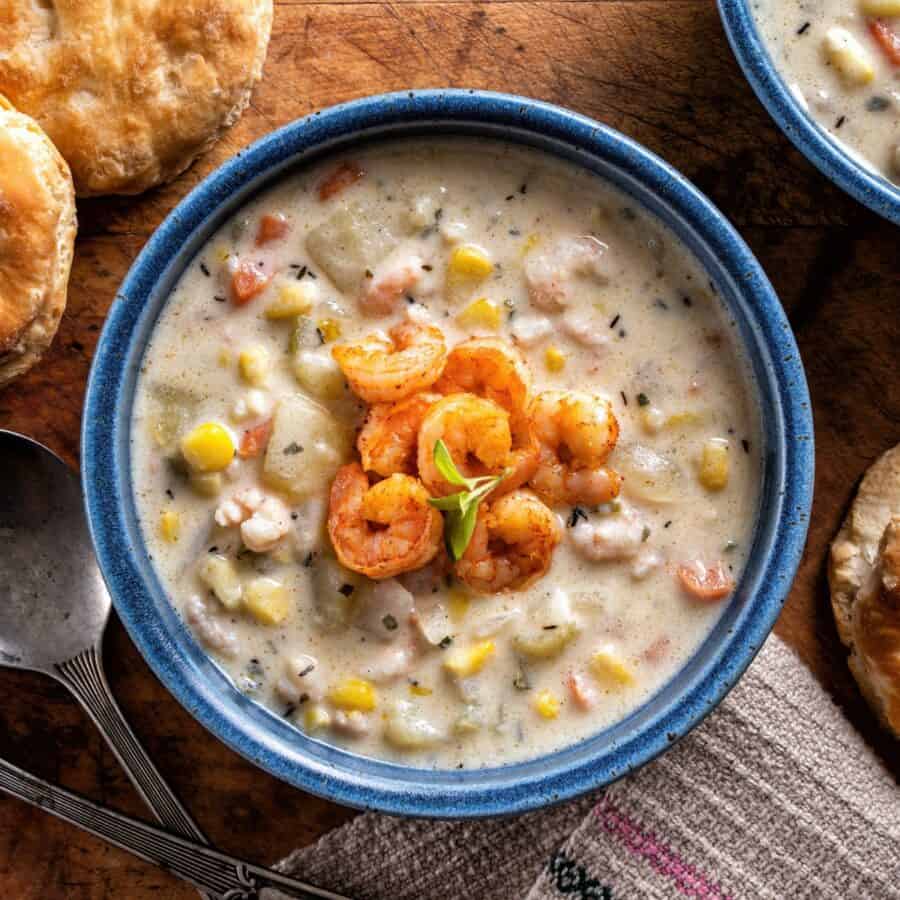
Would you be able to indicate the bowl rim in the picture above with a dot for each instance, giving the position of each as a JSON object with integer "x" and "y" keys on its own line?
{"x": 361, "y": 782}
{"x": 821, "y": 149}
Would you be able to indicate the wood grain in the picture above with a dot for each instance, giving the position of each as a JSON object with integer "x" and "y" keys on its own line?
{"x": 659, "y": 70}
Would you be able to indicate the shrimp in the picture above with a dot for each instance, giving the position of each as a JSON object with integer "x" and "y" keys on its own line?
{"x": 475, "y": 431}
{"x": 382, "y": 530}
{"x": 550, "y": 271}
{"x": 386, "y": 288}
{"x": 389, "y": 437}
{"x": 512, "y": 545}
{"x": 387, "y": 371}
{"x": 488, "y": 367}
{"x": 576, "y": 431}
{"x": 494, "y": 369}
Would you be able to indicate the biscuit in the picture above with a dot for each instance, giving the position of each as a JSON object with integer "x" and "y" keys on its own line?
{"x": 132, "y": 92}
{"x": 37, "y": 237}
{"x": 864, "y": 577}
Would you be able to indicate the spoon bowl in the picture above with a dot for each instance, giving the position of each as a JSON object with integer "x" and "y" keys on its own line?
{"x": 53, "y": 602}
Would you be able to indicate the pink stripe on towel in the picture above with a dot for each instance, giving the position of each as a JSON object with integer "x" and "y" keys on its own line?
{"x": 690, "y": 881}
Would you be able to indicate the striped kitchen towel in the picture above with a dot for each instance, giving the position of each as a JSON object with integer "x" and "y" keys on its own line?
{"x": 773, "y": 796}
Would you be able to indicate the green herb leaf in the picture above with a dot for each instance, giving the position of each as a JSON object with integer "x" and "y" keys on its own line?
{"x": 445, "y": 465}
{"x": 461, "y": 508}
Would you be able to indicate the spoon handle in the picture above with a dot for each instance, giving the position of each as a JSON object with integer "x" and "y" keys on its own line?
{"x": 83, "y": 675}
{"x": 224, "y": 877}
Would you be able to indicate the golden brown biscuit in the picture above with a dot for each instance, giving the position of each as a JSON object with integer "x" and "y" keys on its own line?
{"x": 37, "y": 236}
{"x": 131, "y": 92}
{"x": 864, "y": 575}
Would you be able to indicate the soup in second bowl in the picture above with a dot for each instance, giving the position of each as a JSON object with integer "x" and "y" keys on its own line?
{"x": 841, "y": 60}
{"x": 446, "y": 452}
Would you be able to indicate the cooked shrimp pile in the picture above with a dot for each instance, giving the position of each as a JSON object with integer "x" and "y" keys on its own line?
{"x": 547, "y": 450}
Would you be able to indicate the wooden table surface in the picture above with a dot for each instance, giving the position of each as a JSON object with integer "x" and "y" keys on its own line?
{"x": 660, "y": 71}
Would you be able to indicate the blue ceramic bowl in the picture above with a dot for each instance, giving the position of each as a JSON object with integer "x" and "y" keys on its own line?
{"x": 268, "y": 740}
{"x": 808, "y": 136}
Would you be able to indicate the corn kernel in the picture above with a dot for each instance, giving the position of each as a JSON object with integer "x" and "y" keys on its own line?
{"x": 208, "y": 448}
{"x": 607, "y": 666}
{"x": 267, "y": 600}
{"x": 170, "y": 526}
{"x": 880, "y": 8}
{"x": 207, "y": 484}
{"x": 469, "y": 263}
{"x": 546, "y": 703}
{"x": 253, "y": 364}
{"x": 419, "y": 690}
{"x": 848, "y": 56}
{"x": 555, "y": 359}
{"x": 469, "y": 661}
{"x": 686, "y": 417}
{"x": 354, "y": 693}
{"x": 295, "y": 298}
{"x": 481, "y": 313}
{"x": 530, "y": 243}
{"x": 458, "y": 601}
{"x": 329, "y": 329}
{"x": 316, "y": 717}
{"x": 714, "y": 465}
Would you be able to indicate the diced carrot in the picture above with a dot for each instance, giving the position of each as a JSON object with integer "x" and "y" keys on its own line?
{"x": 887, "y": 39}
{"x": 582, "y": 693}
{"x": 657, "y": 651}
{"x": 247, "y": 282}
{"x": 254, "y": 440}
{"x": 703, "y": 582}
{"x": 340, "y": 178}
{"x": 272, "y": 226}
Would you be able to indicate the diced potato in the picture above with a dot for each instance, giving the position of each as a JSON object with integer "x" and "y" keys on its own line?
{"x": 406, "y": 730}
{"x": 354, "y": 693}
{"x": 350, "y": 242}
{"x": 318, "y": 374}
{"x": 480, "y": 313}
{"x": 170, "y": 526}
{"x": 267, "y": 600}
{"x": 295, "y": 298}
{"x": 467, "y": 661}
{"x": 316, "y": 717}
{"x": 208, "y": 448}
{"x": 652, "y": 419}
{"x": 305, "y": 449}
{"x": 714, "y": 465}
{"x": 686, "y": 417}
{"x": 329, "y": 329}
{"x": 420, "y": 690}
{"x": 545, "y": 642}
{"x": 879, "y": 8}
{"x": 546, "y": 703}
{"x": 848, "y": 56}
{"x": 335, "y": 595}
{"x": 609, "y": 667}
{"x": 224, "y": 358}
{"x": 207, "y": 484}
{"x": 469, "y": 721}
{"x": 219, "y": 574}
{"x": 554, "y": 359}
{"x": 530, "y": 243}
{"x": 253, "y": 364}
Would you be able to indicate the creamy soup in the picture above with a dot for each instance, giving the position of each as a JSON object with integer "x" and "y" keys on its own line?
{"x": 374, "y": 326}
{"x": 841, "y": 59}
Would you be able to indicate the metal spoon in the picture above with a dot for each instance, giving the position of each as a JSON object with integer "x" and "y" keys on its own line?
{"x": 54, "y": 606}
{"x": 217, "y": 875}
